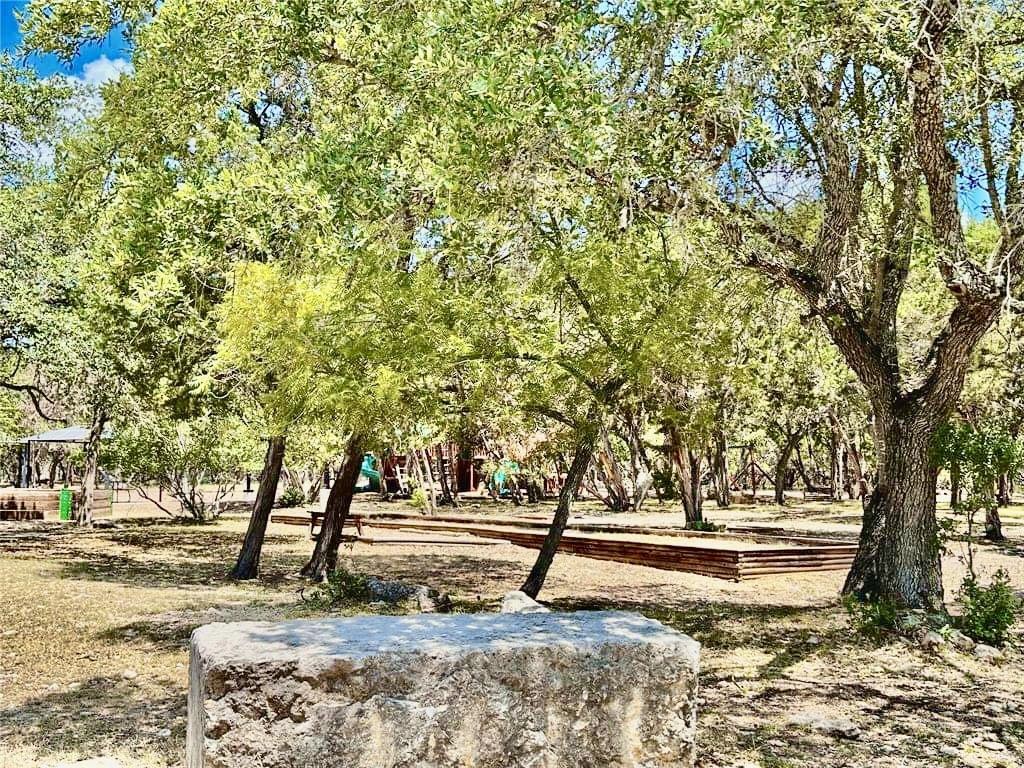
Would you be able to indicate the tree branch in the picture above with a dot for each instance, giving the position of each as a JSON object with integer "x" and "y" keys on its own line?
{"x": 35, "y": 394}
{"x": 839, "y": 184}
{"x": 588, "y": 309}
{"x": 950, "y": 355}
{"x": 841, "y": 321}
{"x": 964, "y": 279}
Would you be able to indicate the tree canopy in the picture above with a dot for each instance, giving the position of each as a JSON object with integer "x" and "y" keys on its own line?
{"x": 652, "y": 232}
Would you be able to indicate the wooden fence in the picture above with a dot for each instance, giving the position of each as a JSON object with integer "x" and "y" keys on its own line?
{"x": 44, "y": 503}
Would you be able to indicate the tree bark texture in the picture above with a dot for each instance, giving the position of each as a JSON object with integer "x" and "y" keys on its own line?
{"x": 993, "y": 525}
{"x": 248, "y": 564}
{"x": 899, "y": 557}
{"x": 1003, "y": 493}
{"x": 782, "y": 466}
{"x": 325, "y": 553}
{"x": 91, "y": 468}
{"x": 688, "y": 466}
{"x": 720, "y": 469}
{"x": 584, "y": 450}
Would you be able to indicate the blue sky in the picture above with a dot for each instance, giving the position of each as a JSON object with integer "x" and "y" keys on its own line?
{"x": 96, "y": 64}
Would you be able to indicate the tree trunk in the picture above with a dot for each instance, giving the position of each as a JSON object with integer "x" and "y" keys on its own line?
{"x": 448, "y": 493}
{"x": 954, "y": 486}
{"x": 325, "y": 554}
{"x": 802, "y": 469}
{"x": 993, "y": 525}
{"x": 690, "y": 472}
{"x": 54, "y": 463}
{"x": 847, "y": 471}
{"x": 720, "y": 469}
{"x": 316, "y": 483}
{"x": 782, "y": 465}
{"x": 855, "y": 462}
{"x": 617, "y": 496}
{"x": 428, "y": 479}
{"x": 585, "y": 445}
{"x": 412, "y": 461}
{"x": 92, "y": 451}
{"x": 1003, "y": 494}
{"x": 248, "y": 564}
{"x": 835, "y": 464}
{"x": 643, "y": 472}
{"x": 687, "y": 464}
{"x": 899, "y": 556}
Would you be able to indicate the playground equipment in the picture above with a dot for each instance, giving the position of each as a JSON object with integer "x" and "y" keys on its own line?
{"x": 370, "y": 472}
{"x": 506, "y": 472}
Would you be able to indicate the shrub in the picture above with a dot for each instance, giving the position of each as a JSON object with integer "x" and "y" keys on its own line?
{"x": 185, "y": 457}
{"x": 704, "y": 525}
{"x": 342, "y": 587}
{"x": 988, "y": 611}
{"x": 419, "y": 498}
{"x": 291, "y": 497}
{"x": 872, "y": 618}
{"x": 665, "y": 482}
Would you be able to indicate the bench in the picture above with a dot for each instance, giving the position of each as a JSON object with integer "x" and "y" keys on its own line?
{"x": 315, "y": 521}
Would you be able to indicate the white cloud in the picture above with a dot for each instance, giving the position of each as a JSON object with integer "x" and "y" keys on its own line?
{"x": 87, "y": 101}
{"x": 104, "y": 70}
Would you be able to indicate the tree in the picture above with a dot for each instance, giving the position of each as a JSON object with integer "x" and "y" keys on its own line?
{"x": 536, "y": 182}
{"x": 182, "y": 457}
{"x": 262, "y": 359}
{"x": 898, "y": 558}
{"x": 980, "y": 455}
{"x": 823, "y": 111}
{"x": 29, "y": 121}
{"x": 798, "y": 382}
{"x": 826, "y": 151}
{"x": 35, "y": 278}
{"x": 45, "y": 329}
{"x": 157, "y": 166}
{"x": 248, "y": 564}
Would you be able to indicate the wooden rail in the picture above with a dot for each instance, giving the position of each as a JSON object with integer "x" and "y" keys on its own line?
{"x": 752, "y": 534}
{"x": 719, "y": 555}
{"x": 706, "y": 557}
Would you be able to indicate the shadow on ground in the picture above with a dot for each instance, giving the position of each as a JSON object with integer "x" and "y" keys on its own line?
{"x": 462, "y": 574}
{"x": 99, "y": 715}
{"x": 785, "y": 631}
{"x": 168, "y": 558}
{"x": 1009, "y": 546}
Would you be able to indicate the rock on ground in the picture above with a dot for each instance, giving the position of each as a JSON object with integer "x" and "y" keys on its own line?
{"x": 520, "y": 602}
{"x": 840, "y": 727}
{"x": 427, "y": 600}
{"x": 580, "y": 690}
{"x": 961, "y": 641}
{"x": 987, "y": 652}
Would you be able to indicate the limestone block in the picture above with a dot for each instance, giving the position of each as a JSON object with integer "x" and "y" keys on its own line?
{"x": 551, "y": 690}
{"x": 520, "y": 602}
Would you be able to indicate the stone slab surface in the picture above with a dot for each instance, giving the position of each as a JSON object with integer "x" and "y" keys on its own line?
{"x": 579, "y": 690}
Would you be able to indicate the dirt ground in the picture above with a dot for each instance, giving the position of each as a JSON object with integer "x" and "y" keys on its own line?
{"x": 94, "y": 628}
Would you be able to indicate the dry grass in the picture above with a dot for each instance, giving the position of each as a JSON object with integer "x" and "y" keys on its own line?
{"x": 95, "y": 624}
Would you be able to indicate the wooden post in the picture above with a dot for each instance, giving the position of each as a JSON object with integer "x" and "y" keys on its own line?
{"x": 753, "y": 476}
